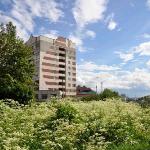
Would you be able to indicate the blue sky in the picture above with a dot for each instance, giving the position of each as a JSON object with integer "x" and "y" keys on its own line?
{"x": 112, "y": 37}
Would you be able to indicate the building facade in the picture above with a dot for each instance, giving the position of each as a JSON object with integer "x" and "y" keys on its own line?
{"x": 55, "y": 66}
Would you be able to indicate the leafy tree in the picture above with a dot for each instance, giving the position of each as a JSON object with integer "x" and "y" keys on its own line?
{"x": 108, "y": 93}
{"x": 144, "y": 101}
{"x": 16, "y": 66}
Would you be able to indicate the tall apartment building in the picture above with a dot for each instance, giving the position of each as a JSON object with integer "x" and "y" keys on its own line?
{"x": 55, "y": 66}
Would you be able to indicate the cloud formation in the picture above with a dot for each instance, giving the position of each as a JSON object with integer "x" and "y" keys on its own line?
{"x": 91, "y": 11}
{"x": 125, "y": 56}
{"x": 90, "y": 74}
{"x": 23, "y": 14}
{"x": 142, "y": 49}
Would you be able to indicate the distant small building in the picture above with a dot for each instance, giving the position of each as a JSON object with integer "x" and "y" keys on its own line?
{"x": 84, "y": 91}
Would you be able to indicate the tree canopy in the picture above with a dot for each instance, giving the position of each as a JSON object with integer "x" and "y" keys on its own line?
{"x": 16, "y": 66}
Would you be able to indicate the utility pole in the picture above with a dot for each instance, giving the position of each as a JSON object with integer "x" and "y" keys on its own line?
{"x": 101, "y": 86}
{"x": 96, "y": 89}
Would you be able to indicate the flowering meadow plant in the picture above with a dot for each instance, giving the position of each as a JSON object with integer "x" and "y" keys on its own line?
{"x": 71, "y": 125}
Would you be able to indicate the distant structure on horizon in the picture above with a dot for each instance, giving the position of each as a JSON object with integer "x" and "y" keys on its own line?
{"x": 55, "y": 66}
{"x": 84, "y": 91}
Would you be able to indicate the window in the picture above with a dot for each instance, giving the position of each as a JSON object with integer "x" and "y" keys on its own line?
{"x": 44, "y": 96}
{"x": 73, "y": 85}
{"x": 69, "y": 73}
{"x": 73, "y": 79}
{"x": 69, "y": 84}
{"x": 68, "y": 62}
{"x": 73, "y": 63}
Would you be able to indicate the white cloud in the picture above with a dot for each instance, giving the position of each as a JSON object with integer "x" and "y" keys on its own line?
{"x": 23, "y": 13}
{"x": 143, "y": 49}
{"x": 148, "y": 3}
{"x": 148, "y": 63}
{"x": 91, "y": 66}
{"x": 91, "y": 33}
{"x": 49, "y": 9}
{"x": 146, "y": 36}
{"x": 125, "y": 56}
{"x": 51, "y": 34}
{"x": 77, "y": 40}
{"x": 115, "y": 79}
{"x": 21, "y": 31}
{"x": 89, "y": 11}
{"x": 111, "y": 23}
{"x": 86, "y": 12}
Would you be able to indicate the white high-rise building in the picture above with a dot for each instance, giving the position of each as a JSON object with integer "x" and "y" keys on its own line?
{"x": 55, "y": 66}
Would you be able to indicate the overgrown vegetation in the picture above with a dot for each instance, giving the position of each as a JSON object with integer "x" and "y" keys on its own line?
{"x": 68, "y": 125}
{"x": 16, "y": 66}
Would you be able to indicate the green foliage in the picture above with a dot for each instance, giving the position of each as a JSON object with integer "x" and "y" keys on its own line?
{"x": 64, "y": 125}
{"x": 144, "y": 101}
{"x": 93, "y": 97}
{"x": 66, "y": 111}
{"x": 16, "y": 66}
{"x": 107, "y": 93}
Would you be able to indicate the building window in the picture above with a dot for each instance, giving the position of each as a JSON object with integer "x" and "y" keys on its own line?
{"x": 69, "y": 73}
{"x": 73, "y": 79}
{"x": 73, "y": 63}
{"x": 73, "y": 85}
{"x": 69, "y": 85}
{"x": 68, "y": 62}
{"x": 44, "y": 96}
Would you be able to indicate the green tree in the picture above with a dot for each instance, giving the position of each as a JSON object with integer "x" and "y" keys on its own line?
{"x": 16, "y": 66}
{"x": 108, "y": 93}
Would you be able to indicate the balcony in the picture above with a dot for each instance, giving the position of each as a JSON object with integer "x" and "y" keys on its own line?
{"x": 62, "y": 83}
{"x": 62, "y": 72}
{"x": 62, "y": 55}
{"x": 62, "y": 60}
{"x": 62, "y": 49}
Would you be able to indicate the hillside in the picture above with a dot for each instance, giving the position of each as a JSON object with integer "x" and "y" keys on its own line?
{"x": 68, "y": 125}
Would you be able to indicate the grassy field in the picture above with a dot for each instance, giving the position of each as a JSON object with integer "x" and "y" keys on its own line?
{"x": 70, "y": 125}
